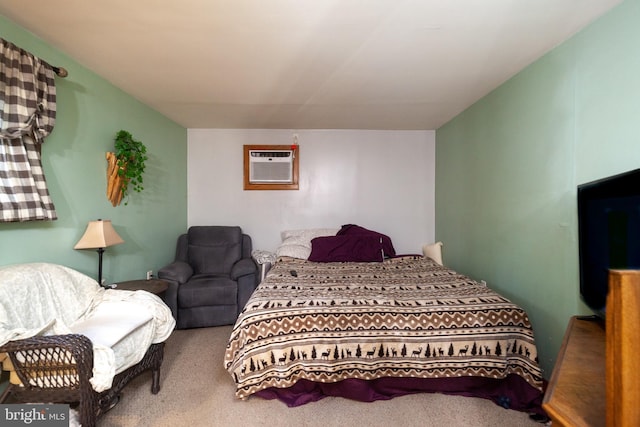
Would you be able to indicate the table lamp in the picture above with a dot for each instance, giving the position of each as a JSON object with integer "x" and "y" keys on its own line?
{"x": 99, "y": 235}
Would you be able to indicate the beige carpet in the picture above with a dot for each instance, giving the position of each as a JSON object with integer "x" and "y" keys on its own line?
{"x": 197, "y": 391}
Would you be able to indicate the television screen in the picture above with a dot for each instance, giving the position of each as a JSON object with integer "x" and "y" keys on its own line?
{"x": 608, "y": 233}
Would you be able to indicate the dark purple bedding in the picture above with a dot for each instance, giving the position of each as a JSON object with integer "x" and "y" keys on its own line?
{"x": 512, "y": 392}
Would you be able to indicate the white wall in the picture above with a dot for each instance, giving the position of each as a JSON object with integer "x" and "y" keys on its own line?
{"x": 381, "y": 180}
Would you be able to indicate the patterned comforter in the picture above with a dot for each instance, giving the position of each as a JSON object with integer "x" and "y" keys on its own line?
{"x": 404, "y": 317}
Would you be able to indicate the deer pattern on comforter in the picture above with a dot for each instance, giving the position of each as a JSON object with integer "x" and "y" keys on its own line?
{"x": 403, "y": 317}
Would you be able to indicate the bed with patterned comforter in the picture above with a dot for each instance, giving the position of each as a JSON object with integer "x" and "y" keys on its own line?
{"x": 375, "y": 330}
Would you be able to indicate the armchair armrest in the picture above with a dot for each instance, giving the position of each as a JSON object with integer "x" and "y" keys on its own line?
{"x": 177, "y": 271}
{"x": 52, "y": 361}
{"x": 243, "y": 267}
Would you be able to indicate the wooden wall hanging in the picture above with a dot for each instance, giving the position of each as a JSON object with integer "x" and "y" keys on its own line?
{"x": 114, "y": 180}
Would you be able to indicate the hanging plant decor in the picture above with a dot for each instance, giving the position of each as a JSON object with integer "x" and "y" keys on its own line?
{"x": 125, "y": 169}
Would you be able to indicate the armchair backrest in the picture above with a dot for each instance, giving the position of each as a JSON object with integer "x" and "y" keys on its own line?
{"x": 212, "y": 249}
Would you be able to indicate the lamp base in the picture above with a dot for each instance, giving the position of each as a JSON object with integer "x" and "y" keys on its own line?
{"x": 100, "y": 252}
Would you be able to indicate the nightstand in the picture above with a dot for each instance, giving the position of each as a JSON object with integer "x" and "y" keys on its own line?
{"x": 155, "y": 286}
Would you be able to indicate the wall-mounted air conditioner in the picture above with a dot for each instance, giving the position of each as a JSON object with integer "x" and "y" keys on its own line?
{"x": 271, "y": 166}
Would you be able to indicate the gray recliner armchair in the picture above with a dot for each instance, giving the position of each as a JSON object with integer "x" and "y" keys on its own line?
{"x": 212, "y": 277}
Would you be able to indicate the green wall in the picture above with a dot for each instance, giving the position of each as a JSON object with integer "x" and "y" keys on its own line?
{"x": 90, "y": 111}
{"x": 507, "y": 169}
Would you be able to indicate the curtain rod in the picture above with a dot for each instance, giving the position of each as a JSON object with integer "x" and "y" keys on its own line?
{"x": 62, "y": 72}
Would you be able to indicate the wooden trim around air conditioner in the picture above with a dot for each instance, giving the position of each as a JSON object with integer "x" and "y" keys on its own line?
{"x": 269, "y": 186}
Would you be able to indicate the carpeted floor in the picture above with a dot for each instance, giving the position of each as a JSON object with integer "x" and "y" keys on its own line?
{"x": 197, "y": 391}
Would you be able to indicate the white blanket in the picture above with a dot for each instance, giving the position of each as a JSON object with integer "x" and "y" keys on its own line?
{"x": 42, "y": 298}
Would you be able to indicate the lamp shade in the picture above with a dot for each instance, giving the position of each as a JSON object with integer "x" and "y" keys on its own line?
{"x": 99, "y": 234}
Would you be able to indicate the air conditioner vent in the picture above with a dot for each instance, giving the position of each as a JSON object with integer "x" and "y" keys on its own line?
{"x": 271, "y": 166}
{"x": 260, "y": 153}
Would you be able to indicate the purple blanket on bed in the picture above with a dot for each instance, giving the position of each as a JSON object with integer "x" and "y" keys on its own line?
{"x": 511, "y": 393}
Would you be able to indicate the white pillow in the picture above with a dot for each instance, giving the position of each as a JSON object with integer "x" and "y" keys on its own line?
{"x": 293, "y": 251}
{"x": 297, "y": 243}
{"x": 305, "y": 236}
{"x": 433, "y": 251}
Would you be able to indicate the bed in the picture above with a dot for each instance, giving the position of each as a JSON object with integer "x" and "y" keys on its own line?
{"x": 375, "y": 330}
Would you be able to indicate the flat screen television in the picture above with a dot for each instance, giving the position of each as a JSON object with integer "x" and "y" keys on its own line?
{"x": 608, "y": 233}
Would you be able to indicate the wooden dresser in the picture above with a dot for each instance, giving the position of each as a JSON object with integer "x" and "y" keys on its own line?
{"x": 623, "y": 349}
{"x": 596, "y": 380}
{"x": 576, "y": 395}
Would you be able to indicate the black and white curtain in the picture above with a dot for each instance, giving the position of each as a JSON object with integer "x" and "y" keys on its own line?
{"x": 27, "y": 116}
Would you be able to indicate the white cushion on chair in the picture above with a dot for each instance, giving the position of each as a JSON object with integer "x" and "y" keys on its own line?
{"x": 111, "y": 321}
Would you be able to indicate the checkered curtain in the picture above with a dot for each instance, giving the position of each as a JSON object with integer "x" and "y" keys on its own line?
{"x": 27, "y": 116}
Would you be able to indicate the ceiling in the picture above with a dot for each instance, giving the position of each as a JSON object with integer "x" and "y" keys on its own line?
{"x": 305, "y": 64}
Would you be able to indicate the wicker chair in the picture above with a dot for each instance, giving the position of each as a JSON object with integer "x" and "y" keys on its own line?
{"x": 57, "y": 369}
{"x": 109, "y": 331}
